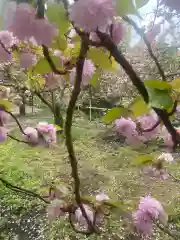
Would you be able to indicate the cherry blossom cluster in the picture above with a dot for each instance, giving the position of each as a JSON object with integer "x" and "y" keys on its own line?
{"x": 133, "y": 135}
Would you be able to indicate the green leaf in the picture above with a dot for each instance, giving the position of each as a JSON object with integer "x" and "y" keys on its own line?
{"x": 35, "y": 82}
{"x": 99, "y": 58}
{"x": 160, "y": 98}
{"x": 139, "y": 107}
{"x": 176, "y": 84}
{"x": 141, "y": 3}
{"x": 157, "y": 84}
{"x": 56, "y": 13}
{"x": 58, "y": 128}
{"x": 94, "y": 80}
{"x": 43, "y": 66}
{"x": 114, "y": 114}
{"x": 143, "y": 159}
{"x": 124, "y": 8}
{"x": 7, "y": 105}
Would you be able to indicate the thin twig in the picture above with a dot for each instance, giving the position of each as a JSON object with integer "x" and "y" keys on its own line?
{"x": 22, "y": 190}
{"x": 167, "y": 231}
{"x": 68, "y": 134}
{"x": 141, "y": 33}
{"x": 51, "y": 63}
{"x": 5, "y": 49}
{"x": 17, "y": 121}
{"x": 175, "y": 178}
{"x": 16, "y": 139}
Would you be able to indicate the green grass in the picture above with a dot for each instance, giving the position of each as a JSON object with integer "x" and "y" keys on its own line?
{"x": 102, "y": 166}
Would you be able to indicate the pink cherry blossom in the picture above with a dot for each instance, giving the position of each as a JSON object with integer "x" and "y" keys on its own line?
{"x": 52, "y": 81}
{"x": 48, "y": 131}
{"x": 4, "y": 117}
{"x": 88, "y": 71}
{"x": 31, "y": 135}
{"x": 6, "y": 38}
{"x": 149, "y": 209}
{"x": 54, "y": 209}
{"x": 3, "y": 134}
{"x": 94, "y": 14}
{"x": 27, "y": 59}
{"x": 153, "y": 172}
{"x": 117, "y": 32}
{"x": 79, "y": 216}
{"x": 44, "y": 31}
{"x": 25, "y": 25}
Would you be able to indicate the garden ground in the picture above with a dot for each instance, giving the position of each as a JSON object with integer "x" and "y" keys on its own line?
{"x": 103, "y": 166}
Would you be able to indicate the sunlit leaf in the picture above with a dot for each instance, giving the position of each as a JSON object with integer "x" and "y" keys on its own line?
{"x": 58, "y": 128}
{"x": 56, "y": 13}
{"x": 176, "y": 84}
{"x": 143, "y": 159}
{"x": 7, "y": 105}
{"x": 160, "y": 98}
{"x": 114, "y": 114}
{"x": 99, "y": 58}
{"x": 43, "y": 66}
{"x": 141, "y": 3}
{"x": 94, "y": 80}
{"x": 157, "y": 84}
{"x": 35, "y": 82}
{"x": 139, "y": 107}
{"x": 125, "y": 7}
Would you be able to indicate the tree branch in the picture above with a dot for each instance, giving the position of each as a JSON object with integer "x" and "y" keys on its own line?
{"x": 16, "y": 139}
{"x": 44, "y": 101}
{"x": 107, "y": 42}
{"x": 22, "y": 190}
{"x": 68, "y": 125}
{"x": 141, "y": 33}
{"x": 51, "y": 63}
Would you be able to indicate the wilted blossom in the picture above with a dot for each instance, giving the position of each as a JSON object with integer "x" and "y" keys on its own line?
{"x": 88, "y": 71}
{"x": 154, "y": 172}
{"x": 167, "y": 138}
{"x": 91, "y": 14}
{"x": 117, "y": 32}
{"x": 4, "y": 55}
{"x": 25, "y": 25}
{"x": 27, "y": 59}
{"x": 54, "y": 209}
{"x": 149, "y": 209}
{"x": 79, "y": 216}
{"x": 31, "y": 135}
{"x": 6, "y": 38}
{"x": 3, "y": 134}
{"x": 167, "y": 157}
{"x": 102, "y": 197}
{"x": 4, "y": 117}
{"x": 48, "y": 131}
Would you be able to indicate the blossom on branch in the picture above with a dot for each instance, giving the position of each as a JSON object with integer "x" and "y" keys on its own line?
{"x": 91, "y": 14}
{"x": 31, "y": 135}
{"x": 4, "y": 117}
{"x": 117, "y": 32}
{"x": 149, "y": 209}
{"x": 80, "y": 218}
{"x": 27, "y": 59}
{"x": 3, "y": 134}
{"x": 48, "y": 131}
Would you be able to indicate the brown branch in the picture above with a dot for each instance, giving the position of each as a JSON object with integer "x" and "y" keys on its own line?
{"x": 107, "y": 42}
{"x": 15, "y": 118}
{"x": 22, "y": 190}
{"x": 51, "y": 63}
{"x": 167, "y": 231}
{"x": 5, "y": 49}
{"x": 141, "y": 33}
{"x": 68, "y": 134}
{"x": 44, "y": 101}
{"x": 16, "y": 139}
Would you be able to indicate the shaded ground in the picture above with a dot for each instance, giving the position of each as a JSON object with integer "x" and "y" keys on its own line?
{"x": 102, "y": 165}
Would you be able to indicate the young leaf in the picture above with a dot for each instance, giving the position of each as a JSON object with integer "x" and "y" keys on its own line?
{"x": 157, "y": 84}
{"x": 160, "y": 98}
{"x": 43, "y": 66}
{"x": 56, "y": 13}
{"x": 143, "y": 159}
{"x": 139, "y": 107}
{"x": 94, "y": 80}
{"x": 124, "y": 8}
{"x": 7, "y": 105}
{"x": 176, "y": 84}
{"x": 99, "y": 58}
{"x": 114, "y": 114}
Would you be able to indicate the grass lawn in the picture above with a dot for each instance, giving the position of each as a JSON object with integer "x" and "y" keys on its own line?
{"x": 102, "y": 166}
